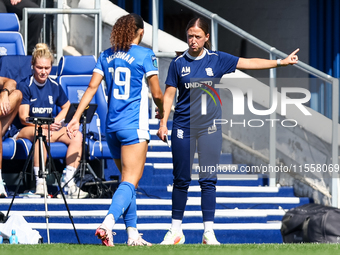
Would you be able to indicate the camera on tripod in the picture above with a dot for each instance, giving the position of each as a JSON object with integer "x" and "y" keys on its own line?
{"x": 40, "y": 120}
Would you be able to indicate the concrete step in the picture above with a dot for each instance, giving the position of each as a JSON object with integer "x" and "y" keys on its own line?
{"x": 242, "y": 191}
{"x": 193, "y": 203}
{"x": 154, "y": 217}
{"x": 154, "y": 233}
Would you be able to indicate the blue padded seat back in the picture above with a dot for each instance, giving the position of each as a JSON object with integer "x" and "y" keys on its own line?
{"x": 76, "y": 65}
{"x": 11, "y": 43}
{"x": 74, "y": 75}
{"x": 75, "y": 87}
{"x": 9, "y": 22}
{"x": 15, "y": 67}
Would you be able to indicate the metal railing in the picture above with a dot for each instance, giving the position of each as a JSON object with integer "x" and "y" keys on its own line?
{"x": 273, "y": 54}
{"x": 59, "y": 11}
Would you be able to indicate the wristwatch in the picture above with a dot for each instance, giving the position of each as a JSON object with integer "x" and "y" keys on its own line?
{"x": 5, "y": 90}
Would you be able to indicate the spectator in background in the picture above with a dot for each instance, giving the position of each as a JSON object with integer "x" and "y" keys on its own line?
{"x": 35, "y": 21}
{"x": 10, "y": 99}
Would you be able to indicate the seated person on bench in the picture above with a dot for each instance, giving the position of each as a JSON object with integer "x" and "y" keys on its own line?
{"x": 40, "y": 95}
{"x": 10, "y": 99}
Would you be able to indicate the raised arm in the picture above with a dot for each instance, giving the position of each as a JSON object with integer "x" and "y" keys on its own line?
{"x": 260, "y": 63}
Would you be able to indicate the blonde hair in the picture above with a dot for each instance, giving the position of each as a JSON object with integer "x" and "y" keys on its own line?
{"x": 41, "y": 50}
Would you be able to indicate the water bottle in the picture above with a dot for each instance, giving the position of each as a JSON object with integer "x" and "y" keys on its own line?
{"x": 13, "y": 238}
{"x": 1, "y": 239}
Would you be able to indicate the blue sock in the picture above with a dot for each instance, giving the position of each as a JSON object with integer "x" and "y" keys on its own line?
{"x": 130, "y": 214}
{"x": 121, "y": 199}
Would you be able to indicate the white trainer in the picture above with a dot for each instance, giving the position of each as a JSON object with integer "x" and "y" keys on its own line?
{"x": 210, "y": 238}
{"x": 39, "y": 189}
{"x": 173, "y": 237}
{"x": 3, "y": 192}
{"x": 138, "y": 242}
{"x": 74, "y": 191}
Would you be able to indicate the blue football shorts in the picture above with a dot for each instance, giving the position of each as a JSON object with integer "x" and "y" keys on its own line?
{"x": 116, "y": 140}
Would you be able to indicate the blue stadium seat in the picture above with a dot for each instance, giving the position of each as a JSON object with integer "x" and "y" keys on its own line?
{"x": 11, "y": 41}
{"x": 74, "y": 75}
{"x": 8, "y": 148}
{"x": 16, "y": 67}
{"x": 23, "y": 147}
{"x": 76, "y": 65}
{"x": 9, "y": 22}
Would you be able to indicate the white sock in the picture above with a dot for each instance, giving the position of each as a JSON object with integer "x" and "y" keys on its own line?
{"x": 36, "y": 173}
{"x": 176, "y": 225}
{"x": 132, "y": 233}
{"x": 208, "y": 226}
{"x": 70, "y": 170}
{"x": 109, "y": 221}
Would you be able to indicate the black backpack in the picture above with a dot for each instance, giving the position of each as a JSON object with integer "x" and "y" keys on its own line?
{"x": 311, "y": 223}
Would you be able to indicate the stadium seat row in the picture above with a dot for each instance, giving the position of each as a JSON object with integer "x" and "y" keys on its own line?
{"x": 73, "y": 74}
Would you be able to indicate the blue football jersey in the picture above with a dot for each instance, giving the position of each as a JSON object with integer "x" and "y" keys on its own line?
{"x": 125, "y": 76}
{"x": 42, "y": 99}
{"x": 198, "y": 102}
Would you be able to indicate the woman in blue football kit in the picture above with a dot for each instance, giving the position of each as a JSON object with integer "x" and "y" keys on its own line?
{"x": 194, "y": 73}
{"x": 40, "y": 95}
{"x": 127, "y": 68}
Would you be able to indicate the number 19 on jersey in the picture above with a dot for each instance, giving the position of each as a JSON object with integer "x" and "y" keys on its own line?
{"x": 118, "y": 79}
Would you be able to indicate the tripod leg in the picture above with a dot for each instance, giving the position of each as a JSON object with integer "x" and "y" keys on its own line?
{"x": 95, "y": 176}
{"x": 21, "y": 176}
{"x": 43, "y": 173}
{"x": 52, "y": 166}
{"x": 46, "y": 211}
{"x": 91, "y": 171}
{"x": 68, "y": 209}
{"x": 82, "y": 174}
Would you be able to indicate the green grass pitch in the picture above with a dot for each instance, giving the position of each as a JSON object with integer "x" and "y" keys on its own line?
{"x": 192, "y": 249}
